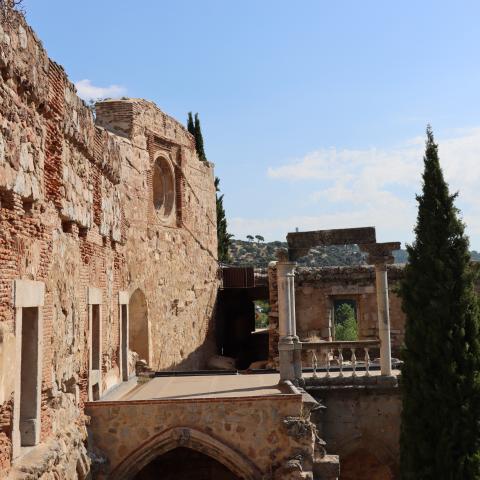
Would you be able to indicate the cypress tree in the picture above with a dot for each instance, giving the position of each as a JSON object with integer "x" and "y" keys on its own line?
{"x": 190, "y": 124}
{"x": 440, "y": 430}
{"x": 223, "y": 236}
{"x": 199, "y": 139}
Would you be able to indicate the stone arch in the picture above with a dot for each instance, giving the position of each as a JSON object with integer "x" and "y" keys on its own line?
{"x": 138, "y": 328}
{"x": 163, "y": 183}
{"x": 367, "y": 456}
{"x": 187, "y": 438}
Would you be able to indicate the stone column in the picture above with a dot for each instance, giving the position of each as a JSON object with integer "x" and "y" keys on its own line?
{"x": 380, "y": 255}
{"x": 289, "y": 346}
{"x": 381, "y": 282}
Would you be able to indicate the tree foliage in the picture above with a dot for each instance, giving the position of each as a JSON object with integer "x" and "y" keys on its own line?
{"x": 346, "y": 328}
{"x": 440, "y": 431}
{"x": 223, "y": 237}
{"x": 190, "y": 124}
{"x": 194, "y": 127}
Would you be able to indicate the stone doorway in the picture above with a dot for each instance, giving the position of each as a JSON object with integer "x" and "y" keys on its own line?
{"x": 186, "y": 464}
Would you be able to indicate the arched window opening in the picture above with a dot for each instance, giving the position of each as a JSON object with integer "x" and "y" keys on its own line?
{"x": 138, "y": 325}
{"x": 163, "y": 188}
{"x": 186, "y": 464}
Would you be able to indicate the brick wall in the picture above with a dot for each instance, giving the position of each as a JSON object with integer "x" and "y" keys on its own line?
{"x": 76, "y": 211}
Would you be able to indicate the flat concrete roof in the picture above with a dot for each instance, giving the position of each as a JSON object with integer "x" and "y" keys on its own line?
{"x": 201, "y": 386}
{"x": 209, "y": 386}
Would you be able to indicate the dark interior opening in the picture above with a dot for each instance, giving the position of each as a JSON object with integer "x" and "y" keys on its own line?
{"x": 96, "y": 337}
{"x": 29, "y": 377}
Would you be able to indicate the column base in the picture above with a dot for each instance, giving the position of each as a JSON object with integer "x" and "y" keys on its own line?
{"x": 286, "y": 349}
{"x": 297, "y": 360}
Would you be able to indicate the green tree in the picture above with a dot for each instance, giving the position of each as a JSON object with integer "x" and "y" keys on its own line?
{"x": 223, "y": 237}
{"x": 250, "y": 238}
{"x": 190, "y": 124}
{"x": 346, "y": 328}
{"x": 440, "y": 430}
{"x": 259, "y": 238}
{"x": 194, "y": 127}
{"x": 199, "y": 140}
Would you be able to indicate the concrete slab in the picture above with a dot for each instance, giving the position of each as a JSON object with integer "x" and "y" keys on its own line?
{"x": 207, "y": 386}
{"x": 214, "y": 386}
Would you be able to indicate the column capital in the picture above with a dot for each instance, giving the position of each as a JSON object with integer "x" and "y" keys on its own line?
{"x": 286, "y": 269}
{"x": 380, "y": 253}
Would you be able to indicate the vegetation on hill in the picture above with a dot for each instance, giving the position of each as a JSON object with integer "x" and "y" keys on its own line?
{"x": 259, "y": 254}
{"x": 440, "y": 429}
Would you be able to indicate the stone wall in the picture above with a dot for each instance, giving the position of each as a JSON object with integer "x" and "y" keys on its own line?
{"x": 77, "y": 211}
{"x": 257, "y": 437}
{"x": 361, "y": 424}
{"x": 316, "y": 289}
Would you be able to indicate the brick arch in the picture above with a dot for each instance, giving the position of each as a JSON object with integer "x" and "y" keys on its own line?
{"x": 185, "y": 437}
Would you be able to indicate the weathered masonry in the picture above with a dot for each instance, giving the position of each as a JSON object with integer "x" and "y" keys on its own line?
{"x": 108, "y": 263}
{"x": 107, "y": 254}
{"x": 318, "y": 289}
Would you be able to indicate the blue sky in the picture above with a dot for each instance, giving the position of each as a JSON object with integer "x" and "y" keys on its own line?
{"x": 313, "y": 112}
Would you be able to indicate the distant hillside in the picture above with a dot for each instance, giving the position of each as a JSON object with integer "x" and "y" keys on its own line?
{"x": 259, "y": 254}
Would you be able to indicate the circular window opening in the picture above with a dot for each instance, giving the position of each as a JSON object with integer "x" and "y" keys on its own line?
{"x": 163, "y": 188}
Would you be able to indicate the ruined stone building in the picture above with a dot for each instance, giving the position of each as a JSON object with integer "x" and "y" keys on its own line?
{"x": 320, "y": 289}
{"x": 108, "y": 262}
{"x": 107, "y": 233}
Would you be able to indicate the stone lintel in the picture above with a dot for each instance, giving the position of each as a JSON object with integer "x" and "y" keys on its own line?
{"x": 94, "y": 296}
{"x": 299, "y": 243}
{"x": 27, "y": 293}
{"x": 123, "y": 298}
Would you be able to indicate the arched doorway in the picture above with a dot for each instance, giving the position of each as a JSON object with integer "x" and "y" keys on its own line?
{"x": 138, "y": 325}
{"x": 363, "y": 465}
{"x": 186, "y": 464}
{"x": 183, "y": 441}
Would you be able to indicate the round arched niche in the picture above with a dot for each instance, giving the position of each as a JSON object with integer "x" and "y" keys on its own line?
{"x": 163, "y": 188}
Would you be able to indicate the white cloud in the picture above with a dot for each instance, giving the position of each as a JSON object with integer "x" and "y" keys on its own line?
{"x": 88, "y": 91}
{"x": 375, "y": 187}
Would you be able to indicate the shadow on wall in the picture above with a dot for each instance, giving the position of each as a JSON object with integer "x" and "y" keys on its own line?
{"x": 362, "y": 465}
{"x": 195, "y": 360}
{"x": 138, "y": 324}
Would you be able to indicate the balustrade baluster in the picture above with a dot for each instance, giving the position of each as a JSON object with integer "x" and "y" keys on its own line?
{"x": 340, "y": 361}
{"x": 367, "y": 362}
{"x": 328, "y": 362}
{"x": 354, "y": 362}
{"x": 314, "y": 364}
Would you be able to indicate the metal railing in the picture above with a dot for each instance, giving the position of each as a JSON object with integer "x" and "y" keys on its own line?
{"x": 332, "y": 355}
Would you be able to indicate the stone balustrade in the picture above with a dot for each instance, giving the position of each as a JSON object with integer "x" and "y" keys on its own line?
{"x": 346, "y": 357}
